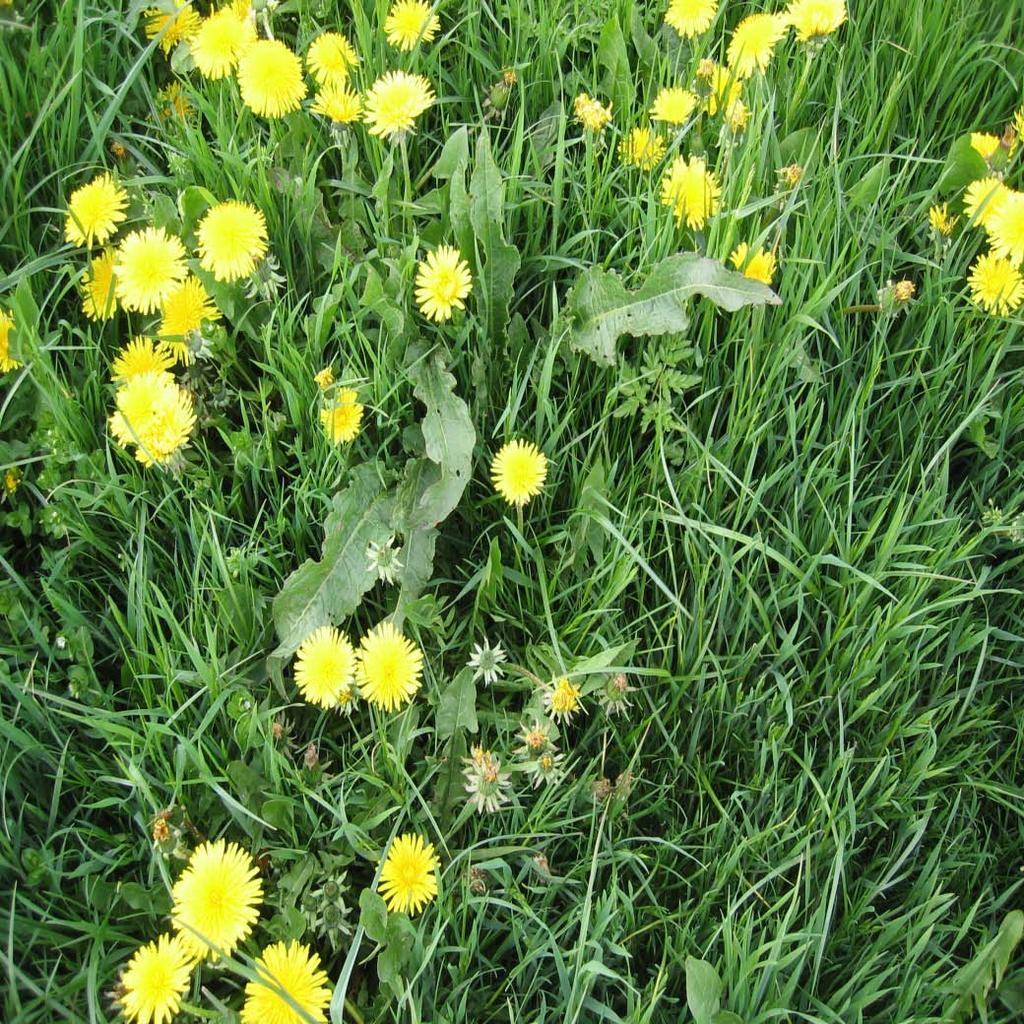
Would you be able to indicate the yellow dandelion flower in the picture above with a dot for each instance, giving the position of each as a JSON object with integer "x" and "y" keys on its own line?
{"x": 691, "y": 190}
{"x": 591, "y": 113}
{"x": 518, "y": 471}
{"x": 174, "y": 103}
{"x": 982, "y": 198}
{"x": 725, "y": 90}
{"x": 270, "y": 78}
{"x": 642, "y": 148}
{"x": 220, "y": 41}
{"x": 141, "y": 355}
{"x": 184, "y": 311}
{"x": 339, "y": 103}
{"x": 7, "y": 363}
{"x": 216, "y": 899}
{"x": 996, "y": 285}
{"x": 331, "y": 58}
{"x": 737, "y": 116}
{"x": 760, "y": 266}
{"x": 984, "y": 144}
{"x": 903, "y": 291}
{"x": 325, "y": 668}
{"x": 232, "y": 239}
{"x": 94, "y": 211}
{"x": 408, "y": 877}
{"x": 294, "y": 969}
{"x": 181, "y": 23}
{"x": 563, "y": 700}
{"x": 410, "y": 21}
{"x": 98, "y": 299}
{"x": 389, "y": 667}
{"x": 753, "y": 42}
{"x": 155, "y": 979}
{"x": 790, "y": 175}
{"x": 324, "y": 378}
{"x": 12, "y": 480}
{"x": 154, "y": 414}
{"x": 148, "y": 265}
{"x": 691, "y": 17}
{"x": 940, "y": 219}
{"x": 342, "y": 417}
{"x": 814, "y": 19}
{"x": 1006, "y": 227}
{"x": 443, "y": 281}
{"x": 394, "y": 102}
{"x": 673, "y": 105}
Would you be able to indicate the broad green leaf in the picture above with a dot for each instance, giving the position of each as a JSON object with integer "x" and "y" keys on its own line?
{"x": 869, "y": 185}
{"x": 457, "y": 707}
{"x": 973, "y": 983}
{"x": 454, "y": 156}
{"x": 703, "y": 990}
{"x": 603, "y": 309}
{"x": 964, "y": 164}
{"x": 373, "y": 915}
{"x": 279, "y": 812}
{"x": 797, "y": 147}
{"x": 646, "y": 47}
{"x": 497, "y": 262}
{"x": 617, "y": 81}
{"x": 327, "y": 590}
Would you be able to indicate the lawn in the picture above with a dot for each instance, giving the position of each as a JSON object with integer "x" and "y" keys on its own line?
{"x": 525, "y": 570}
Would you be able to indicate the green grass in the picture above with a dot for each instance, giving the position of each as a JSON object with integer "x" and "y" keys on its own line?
{"x": 825, "y": 740}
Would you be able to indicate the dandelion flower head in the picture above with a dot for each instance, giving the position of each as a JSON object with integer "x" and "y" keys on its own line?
{"x": 154, "y": 414}
{"x": 996, "y": 284}
{"x": 759, "y": 265}
{"x": 443, "y": 281}
{"x": 691, "y": 17}
{"x": 389, "y": 668}
{"x": 148, "y": 265}
{"x": 591, "y": 113}
{"x": 674, "y": 105}
{"x": 7, "y": 363}
{"x": 408, "y": 879}
{"x": 181, "y": 24}
{"x": 394, "y": 102}
{"x": 753, "y": 43}
{"x": 270, "y": 78}
{"x": 338, "y": 103}
{"x": 94, "y": 211}
{"x": 293, "y": 968}
{"x": 691, "y": 190}
{"x": 98, "y": 299}
{"x": 325, "y": 668}
{"x": 155, "y": 979}
{"x": 139, "y": 356}
{"x": 341, "y": 419}
{"x": 410, "y": 21}
{"x": 518, "y": 471}
{"x": 219, "y": 42}
{"x": 331, "y": 58}
{"x": 814, "y": 19}
{"x": 232, "y": 239}
{"x": 642, "y": 148}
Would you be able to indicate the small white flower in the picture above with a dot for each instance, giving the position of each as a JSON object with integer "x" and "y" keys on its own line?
{"x": 486, "y": 662}
{"x": 383, "y": 560}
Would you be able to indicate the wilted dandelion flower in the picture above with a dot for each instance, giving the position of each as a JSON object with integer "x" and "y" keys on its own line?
{"x": 342, "y": 417}
{"x": 154, "y": 980}
{"x": 486, "y": 784}
{"x": 563, "y": 699}
{"x": 443, "y": 281}
{"x": 12, "y": 480}
{"x": 642, "y": 148}
{"x": 673, "y": 105}
{"x": 983, "y": 198}
{"x": 1006, "y": 227}
{"x": 389, "y": 668}
{"x": 217, "y": 896}
{"x": 408, "y": 22}
{"x": 290, "y": 968}
{"x": 6, "y": 326}
{"x": 220, "y": 41}
{"x": 691, "y": 190}
{"x": 182, "y": 23}
{"x": 518, "y": 471}
{"x": 94, "y": 211}
{"x": 394, "y": 102}
{"x": 270, "y": 78}
{"x": 139, "y": 356}
{"x": 184, "y": 312}
{"x": 541, "y": 759}
{"x": 486, "y": 662}
{"x": 691, "y": 17}
{"x": 331, "y": 58}
{"x": 174, "y": 102}
{"x": 148, "y": 265}
{"x": 903, "y": 291}
{"x": 614, "y": 695}
{"x": 815, "y": 19}
{"x": 760, "y": 266}
{"x": 591, "y": 113}
{"x": 232, "y": 239}
{"x": 941, "y": 220}
{"x": 98, "y": 299}
{"x": 325, "y": 668}
{"x": 753, "y": 42}
{"x": 996, "y": 284}
{"x": 384, "y": 560}
{"x": 547, "y": 767}
{"x": 154, "y": 414}
{"x": 790, "y": 175}
{"x": 338, "y": 103}
{"x": 324, "y": 378}
{"x": 984, "y": 144}
{"x": 737, "y": 115}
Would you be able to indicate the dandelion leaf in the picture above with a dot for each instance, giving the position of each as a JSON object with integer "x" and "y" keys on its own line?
{"x": 974, "y": 982}
{"x": 963, "y": 165}
{"x": 703, "y": 990}
{"x": 332, "y": 588}
{"x": 603, "y": 309}
{"x": 457, "y": 707}
{"x": 497, "y": 262}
